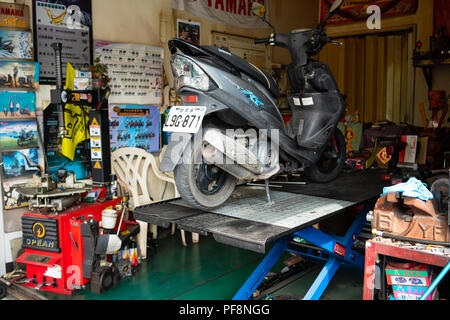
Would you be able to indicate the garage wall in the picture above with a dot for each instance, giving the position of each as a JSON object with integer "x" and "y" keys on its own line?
{"x": 144, "y": 21}
{"x": 422, "y": 22}
{"x": 288, "y": 15}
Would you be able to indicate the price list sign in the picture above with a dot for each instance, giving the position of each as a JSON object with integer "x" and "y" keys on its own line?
{"x": 68, "y": 22}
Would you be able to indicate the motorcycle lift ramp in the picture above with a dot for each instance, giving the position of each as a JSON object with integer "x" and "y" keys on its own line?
{"x": 249, "y": 222}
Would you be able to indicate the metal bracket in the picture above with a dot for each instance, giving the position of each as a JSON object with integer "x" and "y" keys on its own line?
{"x": 338, "y": 249}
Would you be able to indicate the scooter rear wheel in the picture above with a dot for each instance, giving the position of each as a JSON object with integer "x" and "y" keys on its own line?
{"x": 331, "y": 162}
{"x": 201, "y": 185}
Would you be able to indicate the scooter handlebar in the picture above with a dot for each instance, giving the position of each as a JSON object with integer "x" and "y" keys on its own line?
{"x": 262, "y": 40}
{"x": 325, "y": 39}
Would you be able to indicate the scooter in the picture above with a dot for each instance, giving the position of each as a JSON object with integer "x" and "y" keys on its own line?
{"x": 229, "y": 128}
{"x": 24, "y": 137}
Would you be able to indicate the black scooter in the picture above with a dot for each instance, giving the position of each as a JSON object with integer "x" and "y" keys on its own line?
{"x": 229, "y": 128}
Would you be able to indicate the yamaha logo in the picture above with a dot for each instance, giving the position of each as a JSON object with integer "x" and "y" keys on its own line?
{"x": 38, "y": 230}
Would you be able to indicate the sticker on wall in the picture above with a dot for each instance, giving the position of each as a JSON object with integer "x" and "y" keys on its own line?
{"x": 20, "y": 163}
{"x": 19, "y": 75}
{"x": 17, "y": 105}
{"x": 18, "y": 134}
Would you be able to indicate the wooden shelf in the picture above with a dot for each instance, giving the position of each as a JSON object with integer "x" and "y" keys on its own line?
{"x": 427, "y": 63}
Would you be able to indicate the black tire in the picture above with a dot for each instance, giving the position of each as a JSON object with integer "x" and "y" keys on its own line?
{"x": 328, "y": 168}
{"x": 3, "y": 290}
{"x": 187, "y": 182}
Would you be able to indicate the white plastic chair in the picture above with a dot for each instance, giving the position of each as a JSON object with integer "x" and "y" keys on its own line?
{"x": 139, "y": 170}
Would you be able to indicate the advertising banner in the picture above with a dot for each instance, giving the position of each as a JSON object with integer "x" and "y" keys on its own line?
{"x": 352, "y": 11}
{"x": 237, "y": 13}
{"x": 15, "y": 16}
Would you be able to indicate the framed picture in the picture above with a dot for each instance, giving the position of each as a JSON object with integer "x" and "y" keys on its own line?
{"x": 20, "y": 163}
{"x": 189, "y": 31}
{"x": 18, "y": 134}
{"x": 65, "y": 21}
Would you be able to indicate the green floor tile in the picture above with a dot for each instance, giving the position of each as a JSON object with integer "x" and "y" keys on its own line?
{"x": 206, "y": 271}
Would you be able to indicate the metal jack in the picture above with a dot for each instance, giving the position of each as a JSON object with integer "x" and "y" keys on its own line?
{"x": 269, "y": 198}
{"x": 59, "y": 85}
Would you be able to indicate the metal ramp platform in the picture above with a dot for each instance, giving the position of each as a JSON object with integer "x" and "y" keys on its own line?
{"x": 248, "y": 221}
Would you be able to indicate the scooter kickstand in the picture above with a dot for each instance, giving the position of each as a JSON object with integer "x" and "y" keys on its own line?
{"x": 269, "y": 198}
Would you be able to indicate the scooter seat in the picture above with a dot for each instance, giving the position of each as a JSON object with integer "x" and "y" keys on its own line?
{"x": 244, "y": 66}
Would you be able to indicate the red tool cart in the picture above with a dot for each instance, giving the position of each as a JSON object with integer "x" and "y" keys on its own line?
{"x": 386, "y": 247}
{"x": 56, "y": 246}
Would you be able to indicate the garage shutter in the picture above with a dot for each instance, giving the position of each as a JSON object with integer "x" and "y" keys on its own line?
{"x": 376, "y": 74}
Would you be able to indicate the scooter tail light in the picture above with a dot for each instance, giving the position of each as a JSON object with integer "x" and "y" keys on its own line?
{"x": 190, "y": 99}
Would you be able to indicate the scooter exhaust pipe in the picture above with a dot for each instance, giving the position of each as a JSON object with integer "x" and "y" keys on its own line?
{"x": 213, "y": 156}
{"x": 229, "y": 152}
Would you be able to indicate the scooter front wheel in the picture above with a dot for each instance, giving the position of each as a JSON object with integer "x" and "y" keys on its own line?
{"x": 202, "y": 185}
{"x": 331, "y": 162}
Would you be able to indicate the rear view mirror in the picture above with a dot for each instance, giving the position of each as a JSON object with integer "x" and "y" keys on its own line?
{"x": 335, "y": 6}
{"x": 259, "y": 10}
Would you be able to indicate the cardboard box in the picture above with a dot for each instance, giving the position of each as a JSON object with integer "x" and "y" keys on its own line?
{"x": 417, "y": 276}
{"x": 412, "y": 293}
{"x": 408, "y": 155}
{"x": 423, "y": 147}
{"x": 82, "y": 84}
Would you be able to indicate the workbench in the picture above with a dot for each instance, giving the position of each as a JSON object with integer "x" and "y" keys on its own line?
{"x": 248, "y": 221}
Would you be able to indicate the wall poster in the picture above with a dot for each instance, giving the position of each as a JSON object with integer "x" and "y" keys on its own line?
{"x": 17, "y": 105}
{"x": 18, "y": 134}
{"x": 16, "y": 44}
{"x": 20, "y": 163}
{"x": 68, "y": 22}
{"x": 189, "y": 31}
{"x": 19, "y": 75}
{"x": 134, "y": 126}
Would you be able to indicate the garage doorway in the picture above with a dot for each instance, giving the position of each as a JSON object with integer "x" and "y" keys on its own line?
{"x": 376, "y": 74}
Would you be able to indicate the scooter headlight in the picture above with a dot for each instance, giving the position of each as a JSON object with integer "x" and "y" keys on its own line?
{"x": 188, "y": 74}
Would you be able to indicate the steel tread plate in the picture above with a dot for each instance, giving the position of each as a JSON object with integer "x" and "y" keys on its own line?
{"x": 240, "y": 233}
{"x": 288, "y": 210}
{"x": 163, "y": 214}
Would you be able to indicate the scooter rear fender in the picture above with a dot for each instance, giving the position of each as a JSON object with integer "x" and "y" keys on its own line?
{"x": 179, "y": 141}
